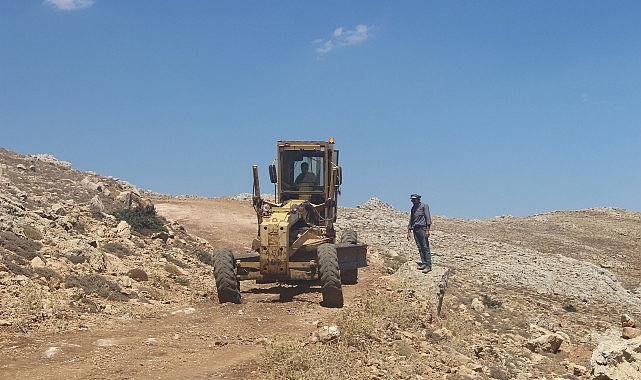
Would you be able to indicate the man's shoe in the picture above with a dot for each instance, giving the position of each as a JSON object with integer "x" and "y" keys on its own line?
{"x": 421, "y": 266}
{"x": 427, "y": 270}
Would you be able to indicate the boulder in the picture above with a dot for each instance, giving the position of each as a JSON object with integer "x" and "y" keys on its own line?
{"x": 617, "y": 359}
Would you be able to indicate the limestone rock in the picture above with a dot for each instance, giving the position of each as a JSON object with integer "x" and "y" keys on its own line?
{"x": 550, "y": 342}
{"x": 627, "y": 321}
{"x": 617, "y": 359}
{"x": 630, "y": 332}
{"x": 37, "y": 262}
{"x": 123, "y": 230}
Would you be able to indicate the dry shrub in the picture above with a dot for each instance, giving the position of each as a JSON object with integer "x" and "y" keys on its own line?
{"x": 23, "y": 247}
{"x": 292, "y": 360}
{"x": 366, "y": 329}
{"x": 398, "y": 310}
{"x": 490, "y": 302}
{"x": 394, "y": 262}
{"x": 47, "y": 273}
{"x": 138, "y": 274}
{"x": 31, "y": 304}
{"x": 204, "y": 257}
{"x": 96, "y": 284}
{"x": 147, "y": 292}
{"x": 15, "y": 264}
{"x": 31, "y": 232}
{"x": 460, "y": 324}
{"x": 175, "y": 261}
{"x": 173, "y": 270}
{"x": 117, "y": 249}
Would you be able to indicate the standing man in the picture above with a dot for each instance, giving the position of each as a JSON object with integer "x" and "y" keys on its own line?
{"x": 420, "y": 223}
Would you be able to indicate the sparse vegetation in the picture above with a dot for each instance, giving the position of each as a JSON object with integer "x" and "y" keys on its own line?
{"x": 175, "y": 261}
{"x": 138, "y": 274}
{"x": 30, "y": 311}
{"x": 490, "y": 302}
{"x": 204, "y": 257}
{"x": 31, "y": 232}
{"x": 385, "y": 333}
{"x": 361, "y": 328}
{"x": 47, "y": 273}
{"x": 290, "y": 360}
{"x": 15, "y": 264}
{"x": 142, "y": 219}
{"x": 147, "y": 292}
{"x": 173, "y": 270}
{"x": 117, "y": 249}
{"x": 25, "y": 248}
{"x": 98, "y": 285}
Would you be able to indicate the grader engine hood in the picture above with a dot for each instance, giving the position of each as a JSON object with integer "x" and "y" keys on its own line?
{"x": 283, "y": 234}
{"x": 274, "y": 238}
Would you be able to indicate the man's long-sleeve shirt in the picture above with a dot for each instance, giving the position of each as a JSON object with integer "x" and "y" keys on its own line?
{"x": 420, "y": 216}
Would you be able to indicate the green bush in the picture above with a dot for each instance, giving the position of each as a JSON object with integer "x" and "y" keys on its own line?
{"x": 142, "y": 219}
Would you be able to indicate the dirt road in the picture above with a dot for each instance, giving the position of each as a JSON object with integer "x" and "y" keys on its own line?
{"x": 202, "y": 340}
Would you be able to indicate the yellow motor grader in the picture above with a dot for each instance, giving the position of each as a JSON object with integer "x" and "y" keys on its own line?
{"x": 296, "y": 239}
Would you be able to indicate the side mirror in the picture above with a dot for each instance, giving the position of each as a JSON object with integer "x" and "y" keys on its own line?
{"x": 273, "y": 177}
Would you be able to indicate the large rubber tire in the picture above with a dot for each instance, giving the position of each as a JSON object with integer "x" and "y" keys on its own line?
{"x": 226, "y": 282}
{"x": 349, "y": 276}
{"x": 349, "y": 236}
{"x": 330, "y": 276}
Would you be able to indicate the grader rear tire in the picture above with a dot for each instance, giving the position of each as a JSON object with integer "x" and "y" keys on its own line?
{"x": 226, "y": 282}
{"x": 330, "y": 276}
{"x": 349, "y": 276}
{"x": 349, "y": 236}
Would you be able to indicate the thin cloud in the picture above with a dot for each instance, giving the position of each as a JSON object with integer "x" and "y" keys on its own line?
{"x": 69, "y": 5}
{"x": 343, "y": 38}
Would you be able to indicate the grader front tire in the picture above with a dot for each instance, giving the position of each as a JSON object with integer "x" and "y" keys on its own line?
{"x": 330, "y": 276}
{"x": 226, "y": 282}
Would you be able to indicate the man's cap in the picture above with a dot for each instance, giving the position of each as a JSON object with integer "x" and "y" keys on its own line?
{"x": 415, "y": 196}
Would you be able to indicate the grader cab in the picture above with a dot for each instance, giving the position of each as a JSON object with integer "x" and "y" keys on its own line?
{"x": 296, "y": 240}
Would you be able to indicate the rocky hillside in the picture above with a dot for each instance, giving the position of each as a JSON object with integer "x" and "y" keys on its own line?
{"x": 63, "y": 254}
{"x": 553, "y": 295}
{"x": 531, "y": 297}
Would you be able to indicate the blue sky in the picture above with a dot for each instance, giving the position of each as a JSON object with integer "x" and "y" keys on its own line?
{"x": 485, "y": 107}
